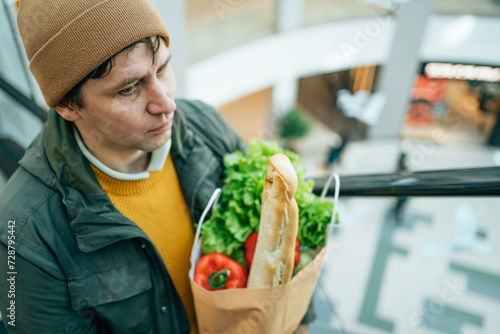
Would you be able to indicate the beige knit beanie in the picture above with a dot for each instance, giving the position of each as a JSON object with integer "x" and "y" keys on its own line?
{"x": 65, "y": 40}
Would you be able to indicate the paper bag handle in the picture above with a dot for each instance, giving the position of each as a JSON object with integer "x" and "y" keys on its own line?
{"x": 197, "y": 244}
{"x": 332, "y": 176}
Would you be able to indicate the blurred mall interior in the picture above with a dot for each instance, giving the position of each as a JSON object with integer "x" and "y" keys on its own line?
{"x": 369, "y": 81}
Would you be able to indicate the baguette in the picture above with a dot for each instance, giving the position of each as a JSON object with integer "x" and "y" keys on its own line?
{"x": 273, "y": 260}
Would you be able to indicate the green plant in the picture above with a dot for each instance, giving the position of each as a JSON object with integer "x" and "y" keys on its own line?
{"x": 294, "y": 124}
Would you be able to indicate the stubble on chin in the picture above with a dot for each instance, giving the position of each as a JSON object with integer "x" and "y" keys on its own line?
{"x": 156, "y": 143}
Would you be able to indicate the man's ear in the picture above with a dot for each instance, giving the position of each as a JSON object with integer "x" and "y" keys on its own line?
{"x": 67, "y": 111}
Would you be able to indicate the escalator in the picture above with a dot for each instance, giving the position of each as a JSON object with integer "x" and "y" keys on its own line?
{"x": 12, "y": 151}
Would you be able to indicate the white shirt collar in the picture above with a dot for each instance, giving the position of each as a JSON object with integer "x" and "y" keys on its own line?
{"x": 156, "y": 163}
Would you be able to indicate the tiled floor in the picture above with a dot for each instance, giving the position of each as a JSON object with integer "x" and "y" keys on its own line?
{"x": 436, "y": 271}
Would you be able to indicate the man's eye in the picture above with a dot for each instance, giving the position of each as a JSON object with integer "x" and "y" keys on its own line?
{"x": 129, "y": 90}
{"x": 161, "y": 69}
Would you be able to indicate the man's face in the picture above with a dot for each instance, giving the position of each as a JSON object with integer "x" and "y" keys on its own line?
{"x": 130, "y": 109}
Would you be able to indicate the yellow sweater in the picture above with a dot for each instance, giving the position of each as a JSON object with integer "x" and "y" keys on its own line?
{"x": 158, "y": 207}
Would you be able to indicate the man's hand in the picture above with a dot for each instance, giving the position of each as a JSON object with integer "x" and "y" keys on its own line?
{"x": 303, "y": 329}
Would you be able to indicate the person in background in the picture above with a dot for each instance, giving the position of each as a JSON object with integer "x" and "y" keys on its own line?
{"x": 100, "y": 212}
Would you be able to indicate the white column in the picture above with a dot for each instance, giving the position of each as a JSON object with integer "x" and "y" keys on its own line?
{"x": 398, "y": 74}
{"x": 285, "y": 90}
{"x": 289, "y": 14}
{"x": 174, "y": 14}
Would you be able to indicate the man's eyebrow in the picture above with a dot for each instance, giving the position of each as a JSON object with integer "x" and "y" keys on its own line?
{"x": 124, "y": 83}
{"x": 127, "y": 81}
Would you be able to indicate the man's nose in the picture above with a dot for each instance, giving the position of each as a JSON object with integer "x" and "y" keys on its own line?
{"x": 159, "y": 100}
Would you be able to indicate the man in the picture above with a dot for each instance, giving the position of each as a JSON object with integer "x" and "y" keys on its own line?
{"x": 98, "y": 220}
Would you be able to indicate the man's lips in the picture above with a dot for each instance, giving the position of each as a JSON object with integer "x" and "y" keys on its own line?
{"x": 162, "y": 128}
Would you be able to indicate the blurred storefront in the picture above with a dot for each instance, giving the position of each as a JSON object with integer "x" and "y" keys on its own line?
{"x": 317, "y": 95}
{"x": 458, "y": 101}
{"x": 325, "y": 97}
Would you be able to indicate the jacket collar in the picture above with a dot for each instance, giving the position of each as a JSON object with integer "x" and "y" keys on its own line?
{"x": 55, "y": 159}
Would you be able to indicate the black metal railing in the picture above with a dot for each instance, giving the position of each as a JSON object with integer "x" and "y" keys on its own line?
{"x": 452, "y": 182}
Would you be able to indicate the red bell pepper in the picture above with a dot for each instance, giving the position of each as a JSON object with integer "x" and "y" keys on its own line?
{"x": 216, "y": 271}
{"x": 251, "y": 242}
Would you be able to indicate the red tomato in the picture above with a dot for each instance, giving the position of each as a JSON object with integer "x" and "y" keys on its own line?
{"x": 296, "y": 260}
{"x": 250, "y": 244}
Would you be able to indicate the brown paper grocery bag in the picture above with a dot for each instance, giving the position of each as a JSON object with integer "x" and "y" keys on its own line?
{"x": 248, "y": 311}
{"x": 273, "y": 311}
